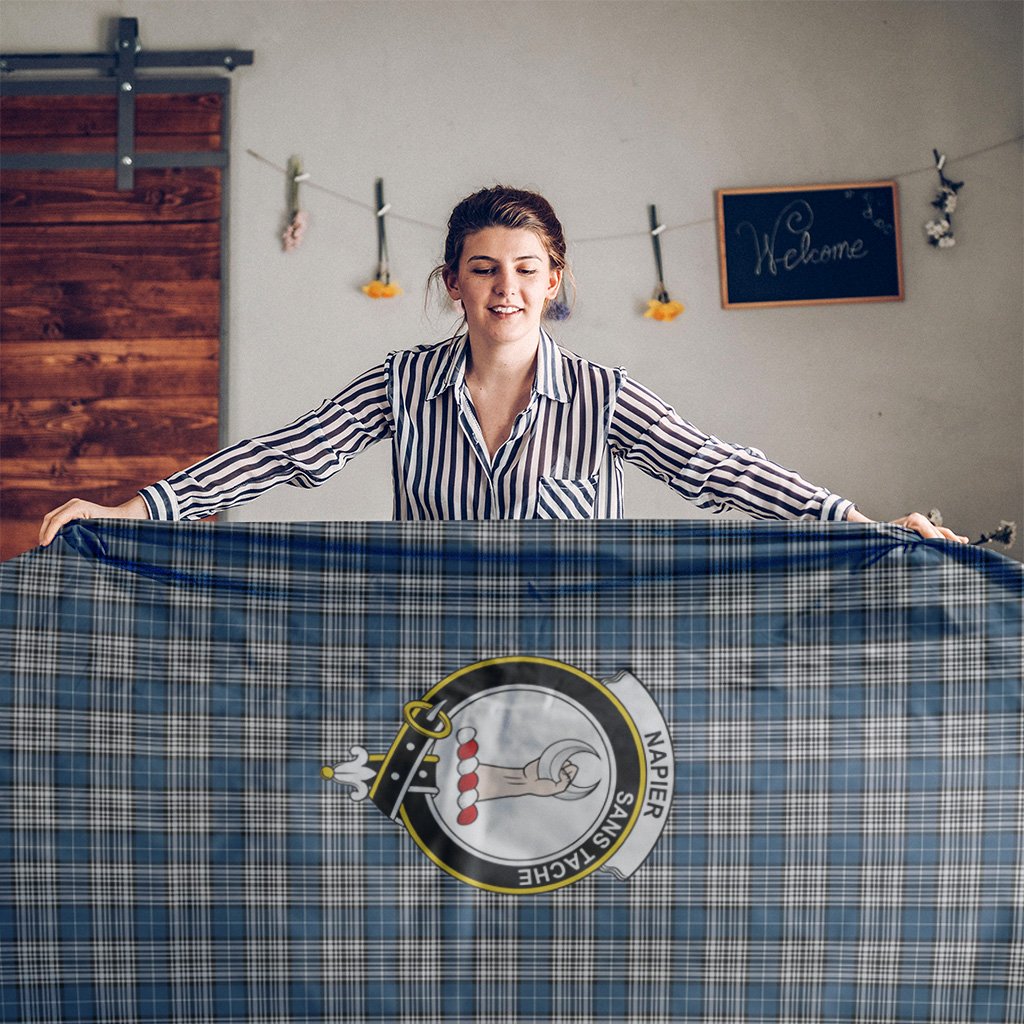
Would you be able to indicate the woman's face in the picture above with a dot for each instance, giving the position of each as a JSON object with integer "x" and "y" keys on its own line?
{"x": 504, "y": 280}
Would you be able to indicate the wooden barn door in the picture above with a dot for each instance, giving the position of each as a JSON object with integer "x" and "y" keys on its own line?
{"x": 111, "y": 225}
{"x": 110, "y": 310}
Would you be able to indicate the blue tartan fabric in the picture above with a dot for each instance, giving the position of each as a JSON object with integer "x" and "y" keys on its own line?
{"x": 841, "y": 837}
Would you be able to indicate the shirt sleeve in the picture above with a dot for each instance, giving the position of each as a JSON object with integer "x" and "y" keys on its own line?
{"x": 714, "y": 474}
{"x": 305, "y": 453}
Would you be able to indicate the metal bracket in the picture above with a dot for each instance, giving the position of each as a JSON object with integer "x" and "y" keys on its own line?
{"x": 128, "y": 46}
{"x": 123, "y": 65}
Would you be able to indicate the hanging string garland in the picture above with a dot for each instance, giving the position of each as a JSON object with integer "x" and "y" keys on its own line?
{"x": 940, "y": 232}
{"x": 382, "y": 287}
{"x": 660, "y": 307}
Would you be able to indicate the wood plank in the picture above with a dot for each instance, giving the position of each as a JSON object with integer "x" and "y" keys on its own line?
{"x": 100, "y": 252}
{"x": 155, "y": 114}
{"x": 53, "y": 197}
{"x": 119, "y": 309}
{"x": 110, "y": 368}
{"x": 58, "y": 115}
{"x": 34, "y": 486}
{"x": 108, "y": 144}
{"x": 61, "y": 428}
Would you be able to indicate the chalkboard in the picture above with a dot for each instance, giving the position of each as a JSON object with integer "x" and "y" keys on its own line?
{"x": 809, "y": 245}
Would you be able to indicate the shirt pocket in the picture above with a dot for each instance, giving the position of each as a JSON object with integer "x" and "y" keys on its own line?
{"x": 562, "y": 498}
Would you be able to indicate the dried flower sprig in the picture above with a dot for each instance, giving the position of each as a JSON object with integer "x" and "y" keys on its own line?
{"x": 940, "y": 231}
{"x": 298, "y": 219}
{"x": 665, "y": 311}
{"x": 292, "y": 237}
{"x": 1005, "y": 534}
{"x": 381, "y": 287}
{"x": 660, "y": 307}
{"x": 558, "y": 308}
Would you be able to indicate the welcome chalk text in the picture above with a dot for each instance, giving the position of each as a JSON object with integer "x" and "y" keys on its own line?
{"x": 795, "y": 221}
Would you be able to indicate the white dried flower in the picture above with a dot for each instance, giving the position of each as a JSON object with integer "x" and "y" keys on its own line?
{"x": 940, "y": 231}
{"x": 1006, "y": 534}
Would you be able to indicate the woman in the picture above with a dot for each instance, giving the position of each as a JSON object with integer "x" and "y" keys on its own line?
{"x": 498, "y": 422}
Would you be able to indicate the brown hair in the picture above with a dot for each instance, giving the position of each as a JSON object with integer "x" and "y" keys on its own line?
{"x": 501, "y": 207}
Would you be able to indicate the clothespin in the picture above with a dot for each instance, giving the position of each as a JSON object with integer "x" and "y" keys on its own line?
{"x": 940, "y": 163}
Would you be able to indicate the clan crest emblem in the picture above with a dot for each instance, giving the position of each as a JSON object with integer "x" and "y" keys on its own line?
{"x": 523, "y": 775}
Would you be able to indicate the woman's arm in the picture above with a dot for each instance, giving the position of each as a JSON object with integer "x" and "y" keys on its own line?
{"x": 712, "y": 473}
{"x": 716, "y": 475}
{"x": 305, "y": 453}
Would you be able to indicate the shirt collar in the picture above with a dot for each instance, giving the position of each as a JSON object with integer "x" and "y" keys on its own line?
{"x": 549, "y": 380}
{"x": 451, "y": 370}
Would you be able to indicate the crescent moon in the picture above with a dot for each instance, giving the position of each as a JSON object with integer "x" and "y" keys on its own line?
{"x": 552, "y": 761}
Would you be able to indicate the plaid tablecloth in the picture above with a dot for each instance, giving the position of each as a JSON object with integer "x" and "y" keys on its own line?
{"x": 719, "y": 773}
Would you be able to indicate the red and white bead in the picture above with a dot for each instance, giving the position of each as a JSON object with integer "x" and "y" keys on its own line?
{"x": 468, "y": 777}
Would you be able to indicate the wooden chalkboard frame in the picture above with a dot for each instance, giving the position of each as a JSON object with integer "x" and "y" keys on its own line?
{"x": 774, "y": 201}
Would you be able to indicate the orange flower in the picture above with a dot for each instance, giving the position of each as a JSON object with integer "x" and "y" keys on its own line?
{"x": 657, "y": 310}
{"x": 380, "y": 290}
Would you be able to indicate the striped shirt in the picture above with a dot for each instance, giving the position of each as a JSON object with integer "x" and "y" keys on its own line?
{"x": 562, "y": 460}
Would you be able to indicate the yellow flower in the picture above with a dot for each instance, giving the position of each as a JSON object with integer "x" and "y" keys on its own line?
{"x": 663, "y": 310}
{"x": 380, "y": 290}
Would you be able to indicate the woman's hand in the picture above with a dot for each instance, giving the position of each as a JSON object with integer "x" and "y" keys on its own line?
{"x": 918, "y": 523}
{"x": 76, "y": 508}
